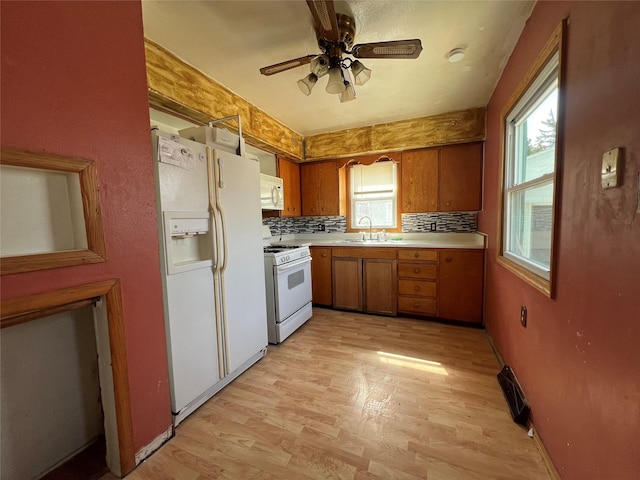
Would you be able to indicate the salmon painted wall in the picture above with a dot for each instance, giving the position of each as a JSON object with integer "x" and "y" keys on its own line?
{"x": 578, "y": 359}
{"x": 74, "y": 83}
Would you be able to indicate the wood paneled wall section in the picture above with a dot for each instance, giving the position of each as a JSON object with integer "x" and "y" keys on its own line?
{"x": 446, "y": 129}
{"x": 178, "y": 86}
{"x": 174, "y": 84}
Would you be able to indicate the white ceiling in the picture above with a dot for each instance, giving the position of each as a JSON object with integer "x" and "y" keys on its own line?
{"x": 230, "y": 40}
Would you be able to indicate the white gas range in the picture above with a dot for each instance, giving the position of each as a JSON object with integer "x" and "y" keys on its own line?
{"x": 288, "y": 287}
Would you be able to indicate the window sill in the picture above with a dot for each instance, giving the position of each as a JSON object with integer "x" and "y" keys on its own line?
{"x": 539, "y": 283}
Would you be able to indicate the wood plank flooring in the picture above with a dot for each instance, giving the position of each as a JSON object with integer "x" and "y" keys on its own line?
{"x": 354, "y": 396}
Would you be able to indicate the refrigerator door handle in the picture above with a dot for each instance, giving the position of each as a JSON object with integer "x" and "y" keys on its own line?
{"x": 223, "y": 230}
{"x": 221, "y": 172}
{"x": 218, "y": 285}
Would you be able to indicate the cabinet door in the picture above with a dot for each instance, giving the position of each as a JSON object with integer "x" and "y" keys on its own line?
{"x": 460, "y": 178}
{"x": 320, "y": 188}
{"x": 419, "y": 185}
{"x": 380, "y": 286}
{"x": 290, "y": 173}
{"x": 460, "y": 285}
{"x": 321, "y": 275}
{"x": 347, "y": 283}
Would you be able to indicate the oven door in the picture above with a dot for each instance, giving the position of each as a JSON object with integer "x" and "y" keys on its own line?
{"x": 293, "y": 287}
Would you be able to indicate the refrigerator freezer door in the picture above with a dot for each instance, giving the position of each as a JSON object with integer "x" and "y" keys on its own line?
{"x": 246, "y": 319}
{"x": 193, "y": 349}
{"x": 182, "y": 179}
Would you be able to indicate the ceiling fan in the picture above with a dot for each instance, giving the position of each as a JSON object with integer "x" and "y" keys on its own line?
{"x": 335, "y": 34}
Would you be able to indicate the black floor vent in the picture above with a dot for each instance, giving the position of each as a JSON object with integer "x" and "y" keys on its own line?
{"x": 514, "y": 396}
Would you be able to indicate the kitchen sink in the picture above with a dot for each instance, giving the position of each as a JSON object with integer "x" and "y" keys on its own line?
{"x": 360, "y": 241}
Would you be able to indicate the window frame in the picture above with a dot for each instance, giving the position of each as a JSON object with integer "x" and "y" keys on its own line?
{"x": 369, "y": 160}
{"x": 394, "y": 197}
{"x": 536, "y": 81}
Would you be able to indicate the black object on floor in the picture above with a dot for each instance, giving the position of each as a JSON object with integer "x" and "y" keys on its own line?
{"x": 513, "y": 394}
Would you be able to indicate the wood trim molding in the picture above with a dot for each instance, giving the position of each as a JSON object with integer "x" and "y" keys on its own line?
{"x": 449, "y": 128}
{"x": 110, "y": 289}
{"x": 178, "y": 86}
{"x": 96, "y": 251}
{"x": 556, "y": 43}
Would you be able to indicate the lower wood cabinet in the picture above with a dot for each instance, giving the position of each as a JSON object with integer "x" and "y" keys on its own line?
{"x": 460, "y": 285}
{"x": 321, "y": 276}
{"x": 380, "y": 285}
{"x": 364, "y": 279}
{"x": 443, "y": 283}
{"x": 417, "y": 281}
{"x": 347, "y": 283}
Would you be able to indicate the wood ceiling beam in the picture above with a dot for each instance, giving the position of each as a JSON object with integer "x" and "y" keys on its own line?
{"x": 175, "y": 85}
{"x": 445, "y": 129}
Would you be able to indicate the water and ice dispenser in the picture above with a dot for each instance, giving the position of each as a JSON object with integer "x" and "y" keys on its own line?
{"x": 189, "y": 240}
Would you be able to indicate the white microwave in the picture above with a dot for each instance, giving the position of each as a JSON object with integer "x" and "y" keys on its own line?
{"x": 271, "y": 192}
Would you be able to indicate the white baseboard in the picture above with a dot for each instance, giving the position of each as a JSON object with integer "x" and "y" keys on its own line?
{"x": 157, "y": 442}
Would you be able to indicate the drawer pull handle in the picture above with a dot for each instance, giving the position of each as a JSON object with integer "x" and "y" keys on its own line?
{"x": 448, "y": 259}
{"x": 417, "y": 288}
{"x": 416, "y": 304}
{"x": 324, "y": 254}
{"x": 416, "y": 255}
{"x": 416, "y": 270}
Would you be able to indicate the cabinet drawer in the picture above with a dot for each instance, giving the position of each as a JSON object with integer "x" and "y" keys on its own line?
{"x": 364, "y": 252}
{"x": 417, "y": 254}
{"x": 317, "y": 252}
{"x": 417, "y": 270}
{"x": 423, "y": 306}
{"x": 420, "y": 288}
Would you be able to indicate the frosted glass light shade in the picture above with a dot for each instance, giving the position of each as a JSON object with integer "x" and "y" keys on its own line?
{"x": 348, "y": 94}
{"x": 361, "y": 73}
{"x": 336, "y": 81}
{"x": 320, "y": 65}
{"x": 306, "y": 84}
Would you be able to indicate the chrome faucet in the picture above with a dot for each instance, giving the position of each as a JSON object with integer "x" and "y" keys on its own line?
{"x": 370, "y": 226}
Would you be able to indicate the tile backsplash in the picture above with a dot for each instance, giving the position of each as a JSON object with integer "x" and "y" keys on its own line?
{"x": 411, "y": 223}
{"x": 290, "y": 225}
{"x": 440, "y": 222}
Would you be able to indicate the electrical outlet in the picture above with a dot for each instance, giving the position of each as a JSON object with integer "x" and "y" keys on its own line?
{"x": 523, "y": 316}
{"x": 433, "y": 226}
{"x": 321, "y": 227}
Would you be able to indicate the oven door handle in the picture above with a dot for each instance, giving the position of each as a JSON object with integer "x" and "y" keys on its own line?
{"x": 294, "y": 264}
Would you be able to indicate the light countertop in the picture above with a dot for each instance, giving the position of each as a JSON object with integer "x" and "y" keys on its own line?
{"x": 416, "y": 240}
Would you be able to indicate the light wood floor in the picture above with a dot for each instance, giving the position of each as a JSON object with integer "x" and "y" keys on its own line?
{"x": 355, "y": 396}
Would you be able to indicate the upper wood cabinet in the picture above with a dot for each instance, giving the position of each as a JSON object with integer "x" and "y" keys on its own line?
{"x": 290, "y": 173}
{"x": 322, "y": 186}
{"x": 460, "y": 178}
{"x": 419, "y": 183}
{"x": 445, "y": 179}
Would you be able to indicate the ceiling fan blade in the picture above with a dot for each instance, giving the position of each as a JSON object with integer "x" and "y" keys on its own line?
{"x": 282, "y": 66}
{"x": 392, "y": 49}
{"x": 324, "y": 15}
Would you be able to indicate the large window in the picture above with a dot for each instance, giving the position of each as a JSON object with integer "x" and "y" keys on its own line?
{"x": 530, "y": 172}
{"x": 374, "y": 193}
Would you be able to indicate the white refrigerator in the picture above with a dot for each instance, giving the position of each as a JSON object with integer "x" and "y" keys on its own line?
{"x": 212, "y": 266}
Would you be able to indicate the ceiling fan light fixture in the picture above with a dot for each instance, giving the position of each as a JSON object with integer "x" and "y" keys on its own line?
{"x": 320, "y": 65}
{"x": 361, "y": 73}
{"x": 336, "y": 80}
{"x": 348, "y": 94}
{"x": 306, "y": 84}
